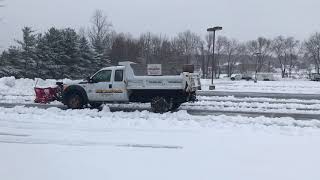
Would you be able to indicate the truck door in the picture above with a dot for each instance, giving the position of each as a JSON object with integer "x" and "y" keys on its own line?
{"x": 101, "y": 87}
{"x": 119, "y": 89}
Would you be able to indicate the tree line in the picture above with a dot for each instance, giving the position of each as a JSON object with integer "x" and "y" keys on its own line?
{"x": 67, "y": 53}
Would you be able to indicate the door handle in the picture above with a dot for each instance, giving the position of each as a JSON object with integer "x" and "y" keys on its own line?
{"x": 110, "y": 86}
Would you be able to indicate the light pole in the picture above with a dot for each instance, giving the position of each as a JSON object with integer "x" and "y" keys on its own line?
{"x": 213, "y": 30}
{"x": 258, "y": 54}
{"x": 318, "y": 48}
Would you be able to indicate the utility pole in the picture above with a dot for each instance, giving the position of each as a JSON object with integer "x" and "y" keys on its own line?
{"x": 258, "y": 54}
{"x": 318, "y": 69}
{"x": 213, "y": 30}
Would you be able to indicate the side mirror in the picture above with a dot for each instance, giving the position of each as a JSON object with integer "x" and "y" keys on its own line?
{"x": 89, "y": 79}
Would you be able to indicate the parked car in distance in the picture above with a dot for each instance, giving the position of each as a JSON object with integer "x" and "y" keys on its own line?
{"x": 266, "y": 77}
{"x": 247, "y": 76}
{"x": 236, "y": 77}
{"x": 315, "y": 77}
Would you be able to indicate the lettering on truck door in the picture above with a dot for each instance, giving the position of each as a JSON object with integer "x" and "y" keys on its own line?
{"x": 101, "y": 88}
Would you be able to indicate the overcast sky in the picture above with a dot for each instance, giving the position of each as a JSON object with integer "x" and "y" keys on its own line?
{"x": 241, "y": 19}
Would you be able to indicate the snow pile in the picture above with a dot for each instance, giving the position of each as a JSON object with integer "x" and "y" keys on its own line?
{"x": 105, "y": 108}
{"x": 282, "y": 86}
{"x": 22, "y": 90}
{"x": 250, "y": 99}
{"x": 12, "y": 86}
{"x": 16, "y": 90}
{"x": 145, "y": 119}
{"x": 8, "y": 81}
{"x": 254, "y": 107}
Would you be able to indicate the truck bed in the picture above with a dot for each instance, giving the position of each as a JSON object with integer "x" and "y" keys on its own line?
{"x": 156, "y": 82}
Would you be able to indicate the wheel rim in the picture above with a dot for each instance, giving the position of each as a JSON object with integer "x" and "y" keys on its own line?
{"x": 75, "y": 102}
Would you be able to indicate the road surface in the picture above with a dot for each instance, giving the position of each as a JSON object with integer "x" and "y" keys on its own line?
{"x": 261, "y": 95}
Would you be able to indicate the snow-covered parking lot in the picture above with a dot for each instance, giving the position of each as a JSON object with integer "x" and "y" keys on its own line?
{"x": 52, "y": 143}
{"x": 88, "y": 144}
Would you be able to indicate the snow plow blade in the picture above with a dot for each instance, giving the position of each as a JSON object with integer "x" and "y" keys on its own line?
{"x": 47, "y": 95}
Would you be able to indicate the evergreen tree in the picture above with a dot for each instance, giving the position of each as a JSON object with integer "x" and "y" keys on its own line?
{"x": 70, "y": 52}
{"x": 87, "y": 57}
{"x": 28, "y": 46}
{"x": 11, "y": 62}
{"x": 49, "y": 50}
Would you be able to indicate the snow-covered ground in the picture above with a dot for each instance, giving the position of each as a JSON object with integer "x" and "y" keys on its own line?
{"x": 88, "y": 144}
{"x": 282, "y": 86}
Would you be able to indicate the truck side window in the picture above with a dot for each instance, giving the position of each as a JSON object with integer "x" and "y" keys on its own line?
{"x": 118, "y": 76}
{"x": 102, "y": 76}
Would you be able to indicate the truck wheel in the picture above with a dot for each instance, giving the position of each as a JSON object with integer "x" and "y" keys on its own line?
{"x": 75, "y": 101}
{"x": 95, "y": 105}
{"x": 160, "y": 105}
{"x": 175, "y": 106}
{"x": 193, "y": 97}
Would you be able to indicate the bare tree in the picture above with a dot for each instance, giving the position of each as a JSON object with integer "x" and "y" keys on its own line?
{"x": 203, "y": 58}
{"x": 124, "y": 48}
{"x": 82, "y": 32}
{"x": 293, "y": 50}
{"x": 101, "y": 34}
{"x": 230, "y": 49}
{"x": 312, "y": 48}
{"x": 154, "y": 47}
{"x": 145, "y": 43}
{"x": 218, "y": 51}
{"x": 188, "y": 42}
{"x": 279, "y": 48}
{"x": 261, "y": 46}
{"x": 241, "y": 56}
{"x": 208, "y": 40}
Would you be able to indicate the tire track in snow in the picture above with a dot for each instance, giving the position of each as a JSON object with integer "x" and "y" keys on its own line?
{"x": 86, "y": 143}
{"x": 202, "y": 110}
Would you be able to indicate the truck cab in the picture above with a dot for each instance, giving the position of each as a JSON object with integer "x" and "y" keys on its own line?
{"x": 107, "y": 85}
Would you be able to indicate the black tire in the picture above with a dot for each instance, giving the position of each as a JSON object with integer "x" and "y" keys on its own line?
{"x": 95, "y": 105}
{"x": 193, "y": 97}
{"x": 160, "y": 105}
{"x": 175, "y": 106}
{"x": 75, "y": 101}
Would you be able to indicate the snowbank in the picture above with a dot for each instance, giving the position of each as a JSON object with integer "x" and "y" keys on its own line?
{"x": 282, "y": 86}
{"x": 181, "y": 119}
{"x": 22, "y": 90}
{"x": 12, "y": 86}
{"x": 25, "y": 87}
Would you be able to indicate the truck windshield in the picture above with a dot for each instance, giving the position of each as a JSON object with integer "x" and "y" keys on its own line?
{"x": 102, "y": 76}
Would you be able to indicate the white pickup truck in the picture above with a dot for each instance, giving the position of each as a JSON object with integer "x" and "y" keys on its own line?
{"x": 119, "y": 84}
